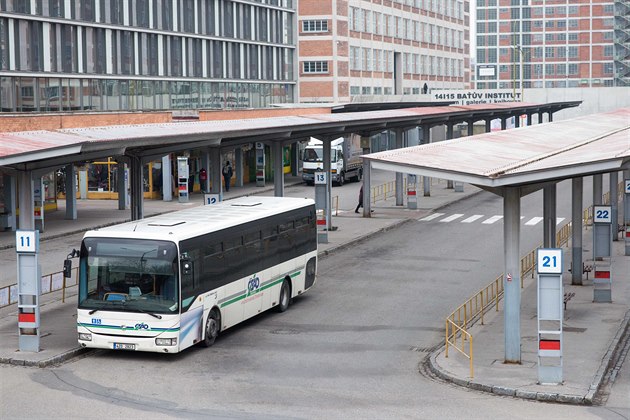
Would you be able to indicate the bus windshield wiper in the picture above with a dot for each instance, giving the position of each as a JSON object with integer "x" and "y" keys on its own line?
{"x": 150, "y": 313}
{"x": 92, "y": 311}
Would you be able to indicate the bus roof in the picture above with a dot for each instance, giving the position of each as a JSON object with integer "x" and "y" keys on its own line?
{"x": 184, "y": 224}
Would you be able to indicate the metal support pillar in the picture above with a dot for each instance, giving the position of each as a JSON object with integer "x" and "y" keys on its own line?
{"x": 238, "y": 166}
{"x": 576, "y": 230}
{"x": 10, "y": 203}
{"x": 167, "y": 179}
{"x": 206, "y": 163}
{"x": 517, "y": 121}
{"x": 278, "y": 169}
{"x": 214, "y": 174}
{"x": 614, "y": 193}
{"x": 541, "y": 118}
{"x": 488, "y": 125}
{"x": 471, "y": 127}
{"x": 327, "y": 166}
{"x": 549, "y": 216}
{"x": 597, "y": 190}
{"x": 26, "y": 205}
{"x": 399, "y": 176}
{"x": 367, "y": 188}
{"x": 511, "y": 279}
{"x": 135, "y": 182}
{"x": 122, "y": 183}
{"x": 426, "y": 139}
{"x": 626, "y": 209}
{"x": 503, "y": 123}
{"x": 529, "y": 119}
{"x": 71, "y": 193}
{"x": 449, "y": 136}
{"x": 550, "y": 116}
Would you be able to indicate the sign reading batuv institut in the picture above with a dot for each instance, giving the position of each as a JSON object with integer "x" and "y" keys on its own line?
{"x": 472, "y": 97}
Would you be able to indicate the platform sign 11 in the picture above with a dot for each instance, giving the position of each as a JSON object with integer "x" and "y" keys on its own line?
{"x": 549, "y": 261}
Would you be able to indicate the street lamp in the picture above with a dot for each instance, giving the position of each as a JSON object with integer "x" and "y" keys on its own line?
{"x": 522, "y": 53}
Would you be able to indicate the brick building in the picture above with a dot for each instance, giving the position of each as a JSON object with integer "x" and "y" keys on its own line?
{"x": 560, "y": 43}
{"x": 381, "y": 48}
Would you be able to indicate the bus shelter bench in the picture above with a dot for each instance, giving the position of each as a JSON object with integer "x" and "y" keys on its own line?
{"x": 567, "y": 297}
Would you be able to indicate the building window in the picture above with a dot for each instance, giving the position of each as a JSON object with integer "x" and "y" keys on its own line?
{"x": 314, "y": 26}
{"x": 608, "y": 50}
{"x": 355, "y": 90}
{"x": 315, "y": 67}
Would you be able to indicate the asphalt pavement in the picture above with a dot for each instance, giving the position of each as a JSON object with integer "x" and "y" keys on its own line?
{"x": 594, "y": 333}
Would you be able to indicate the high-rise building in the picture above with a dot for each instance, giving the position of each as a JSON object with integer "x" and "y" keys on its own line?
{"x": 381, "y": 48}
{"x": 112, "y": 55}
{"x": 552, "y": 43}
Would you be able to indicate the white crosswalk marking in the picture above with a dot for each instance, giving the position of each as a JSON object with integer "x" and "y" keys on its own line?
{"x": 451, "y": 218}
{"x": 491, "y": 220}
{"x": 432, "y": 216}
{"x": 559, "y": 220}
{"x": 533, "y": 221}
{"x": 472, "y": 218}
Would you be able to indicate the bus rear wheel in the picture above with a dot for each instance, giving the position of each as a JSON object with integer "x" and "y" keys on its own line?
{"x": 285, "y": 296}
{"x": 213, "y": 326}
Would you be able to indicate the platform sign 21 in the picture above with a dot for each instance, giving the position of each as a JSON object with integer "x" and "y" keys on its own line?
{"x": 549, "y": 261}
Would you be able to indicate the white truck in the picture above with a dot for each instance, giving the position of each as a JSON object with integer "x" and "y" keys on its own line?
{"x": 345, "y": 156}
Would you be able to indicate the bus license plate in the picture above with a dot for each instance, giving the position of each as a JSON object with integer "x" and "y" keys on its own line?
{"x": 124, "y": 346}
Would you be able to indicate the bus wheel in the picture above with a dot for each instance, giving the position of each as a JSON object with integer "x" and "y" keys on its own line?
{"x": 285, "y": 296}
{"x": 213, "y": 325}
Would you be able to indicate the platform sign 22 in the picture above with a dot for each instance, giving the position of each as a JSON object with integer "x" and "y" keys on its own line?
{"x": 602, "y": 214}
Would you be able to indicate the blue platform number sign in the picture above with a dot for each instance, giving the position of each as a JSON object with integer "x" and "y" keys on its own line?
{"x": 602, "y": 214}
{"x": 26, "y": 241}
{"x": 626, "y": 184}
{"x": 549, "y": 261}
{"x": 211, "y": 198}
{"x": 320, "y": 177}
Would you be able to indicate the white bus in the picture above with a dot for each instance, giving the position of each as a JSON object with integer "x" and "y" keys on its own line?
{"x": 167, "y": 282}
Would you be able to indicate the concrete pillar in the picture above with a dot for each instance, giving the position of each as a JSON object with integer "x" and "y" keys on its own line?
{"x": 167, "y": 179}
{"x": 540, "y": 118}
{"x": 122, "y": 183}
{"x": 426, "y": 139}
{"x": 10, "y": 202}
{"x": 83, "y": 183}
{"x": 549, "y": 216}
{"x": 214, "y": 173}
{"x": 136, "y": 184}
{"x": 550, "y": 116}
{"x": 614, "y": 211}
{"x": 278, "y": 169}
{"x": 597, "y": 190}
{"x": 26, "y": 205}
{"x": 488, "y": 125}
{"x": 503, "y": 123}
{"x": 471, "y": 127}
{"x": 517, "y": 121}
{"x": 367, "y": 188}
{"x": 71, "y": 193}
{"x": 576, "y": 230}
{"x": 512, "y": 281}
{"x": 399, "y": 176}
{"x": 238, "y": 166}
{"x": 529, "y": 118}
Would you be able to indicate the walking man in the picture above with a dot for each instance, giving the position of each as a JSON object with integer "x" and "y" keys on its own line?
{"x": 227, "y": 175}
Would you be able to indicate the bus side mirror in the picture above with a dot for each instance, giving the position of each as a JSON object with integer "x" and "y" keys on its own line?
{"x": 187, "y": 267}
{"x": 67, "y": 268}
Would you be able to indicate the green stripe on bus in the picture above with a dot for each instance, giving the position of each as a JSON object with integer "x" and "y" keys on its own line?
{"x": 273, "y": 283}
{"x": 115, "y": 327}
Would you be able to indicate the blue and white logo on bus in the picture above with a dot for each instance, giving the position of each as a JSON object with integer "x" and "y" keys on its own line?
{"x": 253, "y": 284}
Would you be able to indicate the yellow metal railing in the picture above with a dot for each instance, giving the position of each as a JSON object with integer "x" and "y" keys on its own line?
{"x": 50, "y": 283}
{"x": 385, "y": 191}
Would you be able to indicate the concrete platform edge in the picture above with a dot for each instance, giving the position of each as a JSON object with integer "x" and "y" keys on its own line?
{"x": 587, "y": 399}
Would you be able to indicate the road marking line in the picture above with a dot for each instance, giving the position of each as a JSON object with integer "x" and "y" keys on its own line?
{"x": 451, "y": 218}
{"x": 559, "y": 220}
{"x": 432, "y": 216}
{"x": 472, "y": 218}
{"x": 492, "y": 220}
{"x": 533, "y": 221}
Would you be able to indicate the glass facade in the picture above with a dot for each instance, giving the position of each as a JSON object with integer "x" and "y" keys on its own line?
{"x": 110, "y": 55}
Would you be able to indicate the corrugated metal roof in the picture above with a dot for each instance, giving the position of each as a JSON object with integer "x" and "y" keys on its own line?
{"x": 579, "y": 146}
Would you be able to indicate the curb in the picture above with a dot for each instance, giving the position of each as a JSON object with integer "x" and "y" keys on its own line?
{"x": 55, "y": 360}
{"x": 606, "y": 364}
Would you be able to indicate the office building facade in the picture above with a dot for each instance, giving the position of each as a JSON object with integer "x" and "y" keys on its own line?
{"x": 552, "y": 43}
{"x": 381, "y": 48}
{"x": 119, "y": 55}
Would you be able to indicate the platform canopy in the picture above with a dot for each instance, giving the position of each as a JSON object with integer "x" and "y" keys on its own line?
{"x": 532, "y": 156}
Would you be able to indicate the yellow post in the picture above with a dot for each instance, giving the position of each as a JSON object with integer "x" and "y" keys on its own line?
{"x": 471, "y": 357}
{"x": 446, "y": 340}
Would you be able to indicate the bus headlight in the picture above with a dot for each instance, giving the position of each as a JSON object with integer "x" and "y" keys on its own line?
{"x": 166, "y": 341}
{"x": 85, "y": 336}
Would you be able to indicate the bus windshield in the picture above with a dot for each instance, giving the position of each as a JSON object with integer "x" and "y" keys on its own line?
{"x": 130, "y": 275}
